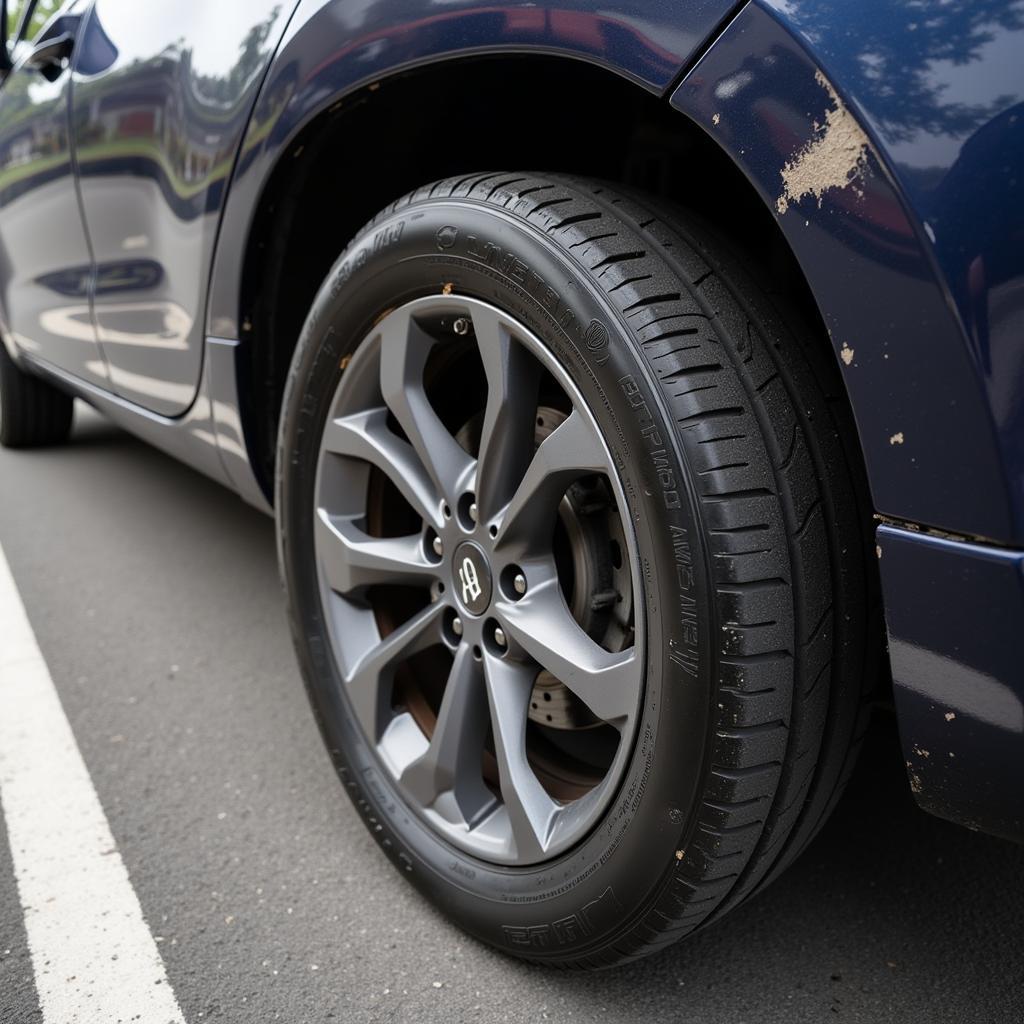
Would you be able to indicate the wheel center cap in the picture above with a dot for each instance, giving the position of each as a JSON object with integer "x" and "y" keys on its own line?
{"x": 472, "y": 578}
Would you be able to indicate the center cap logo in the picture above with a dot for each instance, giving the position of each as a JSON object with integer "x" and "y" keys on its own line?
{"x": 473, "y": 581}
{"x": 471, "y": 589}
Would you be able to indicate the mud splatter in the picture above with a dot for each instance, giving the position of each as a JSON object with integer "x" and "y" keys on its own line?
{"x": 896, "y": 438}
{"x": 837, "y": 156}
{"x": 846, "y": 354}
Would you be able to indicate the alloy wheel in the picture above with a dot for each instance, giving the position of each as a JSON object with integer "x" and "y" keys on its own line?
{"x": 479, "y": 576}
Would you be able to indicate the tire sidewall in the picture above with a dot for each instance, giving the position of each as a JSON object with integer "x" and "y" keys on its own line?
{"x": 565, "y": 906}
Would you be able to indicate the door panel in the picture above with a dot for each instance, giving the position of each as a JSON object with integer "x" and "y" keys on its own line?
{"x": 45, "y": 262}
{"x": 162, "y": 93}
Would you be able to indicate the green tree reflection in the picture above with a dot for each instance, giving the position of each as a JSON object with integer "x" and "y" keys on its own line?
{"x": 899, "y": 45}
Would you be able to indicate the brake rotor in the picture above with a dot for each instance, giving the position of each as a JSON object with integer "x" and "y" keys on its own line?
{"x": 590, "y": 552}
{"x": 600, "y": 596}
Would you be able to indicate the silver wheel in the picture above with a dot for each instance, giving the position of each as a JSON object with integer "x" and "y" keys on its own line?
{"x": 478, "y": 571}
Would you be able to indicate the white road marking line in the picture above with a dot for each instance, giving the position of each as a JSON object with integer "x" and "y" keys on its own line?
{"x": 94, "y": 959}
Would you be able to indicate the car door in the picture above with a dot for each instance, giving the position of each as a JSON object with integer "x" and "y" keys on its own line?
{"x": 162, "y": 94}
{"x": 45, "y": 262}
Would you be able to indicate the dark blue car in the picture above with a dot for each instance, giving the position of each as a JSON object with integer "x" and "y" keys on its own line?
{"x": 638, "y": 388}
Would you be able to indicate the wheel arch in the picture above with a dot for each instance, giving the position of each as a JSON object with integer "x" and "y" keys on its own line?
{"x": 911, "y": 378}
{"x": 296, "y": 226}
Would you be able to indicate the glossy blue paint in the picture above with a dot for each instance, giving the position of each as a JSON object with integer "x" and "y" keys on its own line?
{"x": 917, "y": 270}
{"x": 954, "y": 614}
{"x": 923, "y": 416}
{"x": 334, "y": 47}
{"x": 648, "y": 40}
{"x": 44, "y": 287}
{"x": 940, "y": 86}
{"x": 157, "y": 118}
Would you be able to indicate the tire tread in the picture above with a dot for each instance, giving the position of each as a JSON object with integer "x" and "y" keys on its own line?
{"x": 780, "y": 493}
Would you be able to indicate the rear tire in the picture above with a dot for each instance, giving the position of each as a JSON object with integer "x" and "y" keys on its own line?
{"x": 742, "y": 478}
{"x": 32, "y": 412}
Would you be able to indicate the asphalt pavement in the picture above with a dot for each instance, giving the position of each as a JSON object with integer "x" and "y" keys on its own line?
{"x": 155, "y": 601}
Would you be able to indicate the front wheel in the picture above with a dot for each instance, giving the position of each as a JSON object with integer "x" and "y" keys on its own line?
{"x": 573, "y": 562}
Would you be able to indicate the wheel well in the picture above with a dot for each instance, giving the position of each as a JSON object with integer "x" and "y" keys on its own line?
{"x": 504, "y": 112}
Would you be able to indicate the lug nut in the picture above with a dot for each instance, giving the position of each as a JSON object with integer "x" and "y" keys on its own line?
{"x": 438, "y": 546}
{"x": 499, "y": 636}
{"x": 457, "y": 626}
{"x": 461, "y": 325}
{"x": 473, "y": 511}
{"x": 519, "y": 583}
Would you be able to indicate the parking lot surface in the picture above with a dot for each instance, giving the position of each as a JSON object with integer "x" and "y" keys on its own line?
{"x": 155, "y": 601}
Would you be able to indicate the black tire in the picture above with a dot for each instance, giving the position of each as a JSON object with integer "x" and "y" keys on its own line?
{"x": 743, "y": 481}
{"x": 32, "y": 412}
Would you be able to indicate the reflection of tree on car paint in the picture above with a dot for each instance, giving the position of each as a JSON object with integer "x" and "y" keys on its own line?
{"x": 152, "y": 114}
{"x": 41, "y": 14}
{"x": 167, "y": 114}
{"x": 894, "y": 69}
{"x": 136, "y": 113}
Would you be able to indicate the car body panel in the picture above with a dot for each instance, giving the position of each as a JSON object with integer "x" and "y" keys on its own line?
{"x": 930, "y": 348}
{"x": 954, "y": 613}
{"x": 940, "y": 87}
{"x": 919, "y": 279}
{"x": 44, "y": 286}
{"x": 925, "y": 424}
{"x": 332, "y": 48}
{"x": 157, "y": 123}
{"x": 208, "y": 437}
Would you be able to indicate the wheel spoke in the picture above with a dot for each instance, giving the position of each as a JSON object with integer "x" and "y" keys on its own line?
{"x": 404, "y": 348}
{"x": 353, "y": 561}
{"x": 507, "y": 435}
{"x": 452, "y": 762}
{"x": 370, "y": 681}
{"x": 573, "y": 450}
{"x": 365, "y": 435}
{"x": 531, "y": 812}
{"x": 538, "y": 516}
{"x": 541, "y": 624}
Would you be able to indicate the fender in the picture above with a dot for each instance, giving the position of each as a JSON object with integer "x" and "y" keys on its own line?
{"x": 940, "y": 450}
{"x": 919, "y": 279}
{"x": 924, "y": 415}
{"x": 327, "y": 54}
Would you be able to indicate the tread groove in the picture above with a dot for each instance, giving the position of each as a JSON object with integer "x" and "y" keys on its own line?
{"x": 579, "y": 218}
{"x": 630, "y": 280}
{"x": 653, "y": 301}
